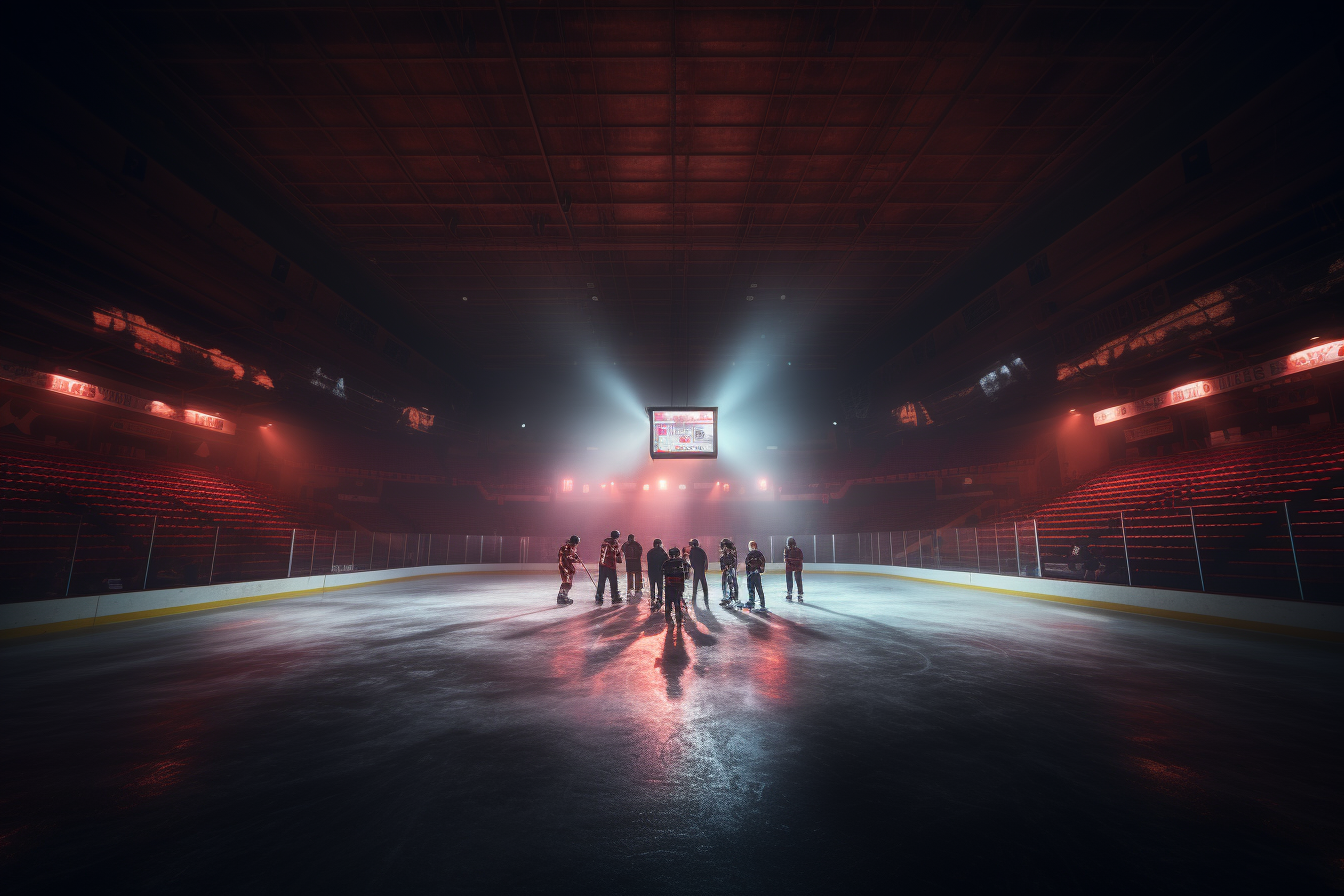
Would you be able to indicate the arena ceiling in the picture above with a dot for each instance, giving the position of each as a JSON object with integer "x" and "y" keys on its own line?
{"x": 835, "y": 176}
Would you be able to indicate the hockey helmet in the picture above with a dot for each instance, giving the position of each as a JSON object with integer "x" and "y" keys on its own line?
{"x": 725, "y": 541}
{"x": 695, "y": 542}
{"x": 792, "y": 542}
{"x": 675, "y": 552}
{"x": 615, "y": 533}
{"x": 657, "y": 542}
{"x": 752, "y": 545}
{"x": 573, "y": 539}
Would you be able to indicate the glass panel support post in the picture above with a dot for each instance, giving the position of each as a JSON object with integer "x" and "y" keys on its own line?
{"x": 1124, "y": 541}
{"x": 1017, "y": 549}
{"x": 1301, "y": 595}
{"x": 1194, "y": 536}
{"x": 69, "y": 577}
{"x": 998, "y": 562}
{"x": 1036, "y": 534}
{"x": 293, "y": 533}
{"x": 149, "y": 555}
{"x": 976, "y": 533}
{"x": 833, "y": 559}
{"x": 214, "y": 552}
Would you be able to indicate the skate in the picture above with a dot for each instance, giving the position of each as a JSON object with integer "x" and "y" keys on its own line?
{"x": 800, "y": 597}
{"x": 788, "y": 597}
{"x": 616, "y": 599}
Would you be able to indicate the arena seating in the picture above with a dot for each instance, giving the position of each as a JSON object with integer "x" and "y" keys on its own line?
{"x": 1238, "y": 496}
{"x": 46, "y": 493}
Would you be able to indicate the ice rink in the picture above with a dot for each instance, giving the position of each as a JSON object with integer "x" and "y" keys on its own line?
{"x": 464, "y": 733}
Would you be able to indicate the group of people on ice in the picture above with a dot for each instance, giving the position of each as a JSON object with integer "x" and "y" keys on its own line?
{"x": 670, "y": 568}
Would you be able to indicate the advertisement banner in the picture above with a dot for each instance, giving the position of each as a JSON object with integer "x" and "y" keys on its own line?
{"x": 1308, "y": 358}
{"x": 1156, "y": 428}
{"x": 17, "y": 373}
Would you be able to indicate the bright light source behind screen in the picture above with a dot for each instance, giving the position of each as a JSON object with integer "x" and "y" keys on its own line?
{"x": 683, "y": 432}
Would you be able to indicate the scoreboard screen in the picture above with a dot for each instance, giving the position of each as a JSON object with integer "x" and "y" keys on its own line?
{"x": 683, "y": 432}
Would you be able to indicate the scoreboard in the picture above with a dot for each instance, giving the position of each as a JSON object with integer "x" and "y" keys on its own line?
{"x": 683, "y": 432}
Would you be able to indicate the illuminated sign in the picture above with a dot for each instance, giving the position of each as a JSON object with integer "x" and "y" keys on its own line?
{"x": 417, "y": 418}
{"x": 1314, "y": 356}
{"x": 683, "y": 432}
{"x": 64, "y": 385}
{"x": 133, "y": 331}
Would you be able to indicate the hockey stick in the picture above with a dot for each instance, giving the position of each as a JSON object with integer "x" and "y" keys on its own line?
{"x": 590, "y": 575}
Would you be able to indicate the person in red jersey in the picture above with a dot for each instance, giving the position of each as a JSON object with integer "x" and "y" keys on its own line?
{"x": 568, "y": 556}
{"x": 793, "y": 569}
{"x": 608, "y": 561}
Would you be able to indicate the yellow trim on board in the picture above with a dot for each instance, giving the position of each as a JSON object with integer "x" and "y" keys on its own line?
{"x": 1245, "y": 624}
{"x": 89, "y": 621}
{"x": 1227, "y": 621}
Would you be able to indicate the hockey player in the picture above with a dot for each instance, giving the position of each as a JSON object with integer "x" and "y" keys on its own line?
{"x": 793, "y": 569}
{"x": 699, "y": 563}
{"x": 634, "y": 553}
{"x": 675, "y": 570}
{"x": 567, "y": 556}
{"x": 607, "y": 562}
{"x": 728, "y": 571}
{"x": 755, "y": 568}
{"x": 656, "y": 558}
